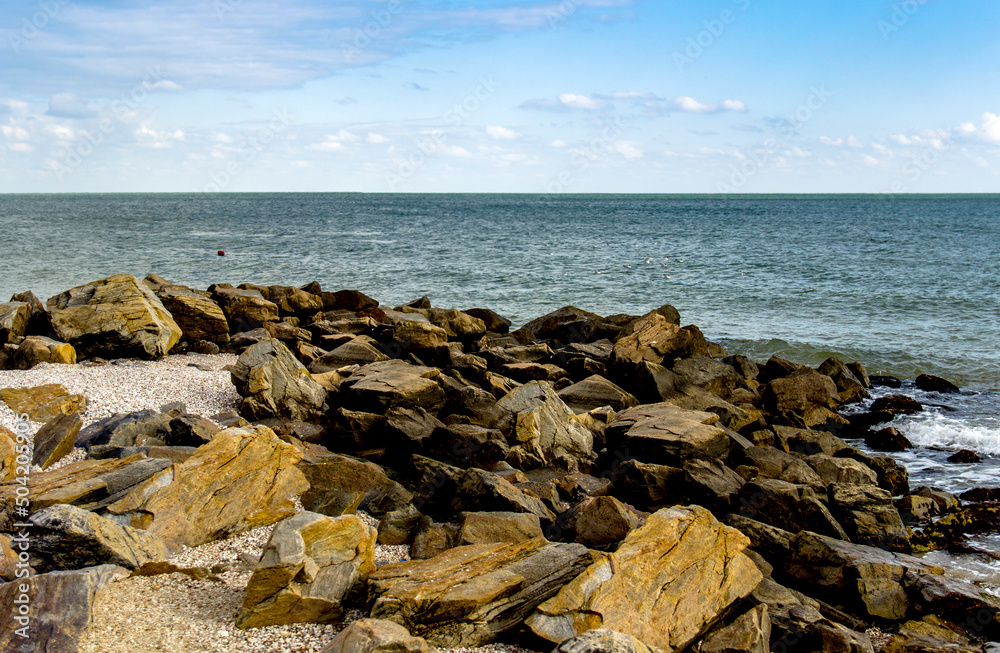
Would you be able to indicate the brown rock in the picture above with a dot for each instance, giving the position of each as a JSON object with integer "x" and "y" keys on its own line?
{"x": 273, "y": 383}
{"x": 801, "y": 393}
{"x": 341, "y": 485}
{"x": 55, "y": 439}
{"x": 116, "y": 316}
{"x": 308, "y": 567}
{"x": 497, "y": 528}
{"x": 380, "y": 386}
{"x": 594, "y": 392}
{"x": 930, "y": 635}
{"x": 377, "y": 636}
{"x": 546, "y": 429}
{"x": 478, "y": 490}
{"x": 665, "y": 433}
{"x": 244, "y": 478}
{"x": 567, "y": 324}
{"x": 8, "y": 454}
{"x": 931, "y": 383}
{"x": 655, "y": 339}
{"x": 897, "y": 404}
{"x": 849, "y": 387}
{"x": 244, "y": 309}
{"x": 600, "y": 521}
{"x": 748, "y": 633}
{"x": 470, "y": 595}
{"x": 198, "y": 316}
{"x": 788, "y": 506}
{"x": 14, "y": 318}
{"x": 667, "y": 583}
{"x": 869, "y": 516}
{"x": 604, "y": 641}
{"x": 39, "y": 349}
{"x": 43, "y": 402}
{"x": 358, "y": 351}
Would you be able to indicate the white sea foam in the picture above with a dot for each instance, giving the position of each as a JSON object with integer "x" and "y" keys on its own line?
{"x": 939, "y": 430}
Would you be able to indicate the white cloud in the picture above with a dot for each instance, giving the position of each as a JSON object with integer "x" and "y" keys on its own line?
{"x": 690, "y": 105}
{"x": 991, "y": 128}
{"x": 22, "y": 147}
{"x": 377, "y": 139}
{"x": 734, "y": 105}
{"x": 164, "y": 85}
{"x": 499, "y": 133}
{"x": 870, "y": 160}
{"x": 18, "y": 133}
{"x": 558, "y": 143}
{"x": 836, "y": 142}
{"x": 456, "y": 151}
{"x": 627, "y": 149}
{"x": 327, "y": 146}
{"x": 799, "y": 152}
{"x": 901, "y": 139}
{"x": 853, "y": 142}
{"x": 576, "y": 101}
{"x": 68, "y": 105}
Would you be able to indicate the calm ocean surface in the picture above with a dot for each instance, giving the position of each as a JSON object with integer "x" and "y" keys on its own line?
{"x": 905, "y": 284}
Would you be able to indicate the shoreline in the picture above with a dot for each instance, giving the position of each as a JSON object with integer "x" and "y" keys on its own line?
{"x": 756, "y": 422}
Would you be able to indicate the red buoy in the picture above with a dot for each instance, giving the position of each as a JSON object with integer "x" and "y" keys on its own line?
{"x": 221, "y": 253}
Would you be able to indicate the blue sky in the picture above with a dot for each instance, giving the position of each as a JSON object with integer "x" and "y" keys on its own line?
{"x": 657, "y": 96}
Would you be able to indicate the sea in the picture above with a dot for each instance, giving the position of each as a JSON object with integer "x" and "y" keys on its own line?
{"x": 905, "y": 284}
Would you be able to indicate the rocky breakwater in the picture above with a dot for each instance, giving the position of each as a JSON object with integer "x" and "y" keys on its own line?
{"x": 580, "y": 483}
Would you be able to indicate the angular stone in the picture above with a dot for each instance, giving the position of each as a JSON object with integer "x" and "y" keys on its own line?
{"x": 187, "y": 430}
{"x": 244, "y": 478}
{"x": 888, "y": 439}
{"x": 709, "y": 374}
{"x": 492, "y": 320}
{"x": 869, "y": 516}
{"x": 931, "y": 383}
{"x": 377, "y": 387}
{"x": 39, "y": 349}
{"x": 43, "y": 402}
{"x": 546, "y": 429}
{"x": 497, "y": 528}
{"x": 788, "y": 506}
{"x": 567, "y": 324}
{"x": 456, "y": 323}
{"x": 849, "y": 387}
{"x": 654, "y": 339}
{"x": 774, "y": 463}
{"x": 748, "y": 633}
{"x": 842, "y": 470}
{"x": 470, "y": 595}
{"x": 711, "y": 484}
{"x": 478, "y": 490}
{"x": 294, "y": 301}
{"x": 55, "y": 439}
{"x": 341, "y": 485}
{"x": 958, "y": 601}
{"x": 930, "y": 635}
{"x": 117, "y": 316}
{"x": 14, "y": 317}
{"x": 307, "y": 569}
{"x": 67, "y": 537}
{"x": 599, "y": 521}
{"x": 646, "y": 485}
{"x": 347, "y": 300}
{"x": 801, "y": 392}
{"x": 273, "y": 383}
{"x": 244, "y": 309}
{"x": 8, "y": 454}
{"x": 664, "y": 433}
{"x": 377, "y": 636}
{"x": 411, "y": 334}
{"x": 667, "y": 583}
{"x": 594, "y": 392}
{"x": 600, "y": 640}
{"x": 359, "y": 351}
{"x": 62, "y": 609}
{"x": 198, "y": 316}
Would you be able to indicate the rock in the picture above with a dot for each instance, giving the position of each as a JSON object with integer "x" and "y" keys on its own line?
{"x": 8, "y": 454}
{"x": 946, "y": 502}
{"x": 771, "y": 542}
{"x": 470, "y": 595}
{"x": 493, "y": 321}
{"x": 777, "y": 367}
{"x": 409, "y": 334}
{"x": 888, "y": 439}
{"x": 665, "y": 433}
{"x": 377, "y": 387}
{"x": 750, "y": 632}
{"x": 341, "y": 485}
{"x": 198, "y": 316}
{"x": 273, "y": 383}
{"x": 599, "y": 522}
{"x": 244, "y": 309}
{"x": 965, "y": 457}
{"x": 603, "y": 641}
{"x": 849, "y": 387}
{"x": 126, "y": 430}
{"x": 891, "y": 475}
{"x": 67, "y": 537}
{"x": 980, "y": 494}
{"x": 433, "y": 539}
{"x": 377, "y": 636}
{"x": 896, "y": 404}
{"x": 61, "y": 606}
{"x": 468, "y": 445}
{"x": 294, "y": 301}
{"x": 117, "y": 316}
{"x": 398, "y": 527}
{"x": 646, "y": 485}
{"x": 308, "y": 567}
{"x": 44, "y": 402}
{"x": 805, "y": 393}
{"x": 39, "y": 349}
{"x": 867, "y": 580}
{"x": 792, "y": 507}
{"x": 410, "y": 428}
{"x": 711, "y": 484}
{"x": 915, "y": 509}
{"x": 808, "y": 442}
{"x": 291, "y": 335}
{"x": 347, "y": 300}
{"x": 187, "y": 430}
{"x": 497, "y": 528}
{"x": 14, "y": 318}
{"x": 478, "y": 490}
{"x": 55, "y": 439}
{"x": 930, "y": 634}
{"x": 456, "y": 323}
{"x": 774, "y": 463}
{"x": 244, "y": 478}
{"x": 656, "y": 340}
{"x": 804, "y": 628}
{"x": 958, "y": 601}
{"x": 546, "y": 429}
{"x": 841, "y": 470}
{"x": 567, "y": 324}
{"x": 667, "y": 583}
{"x": 930, "y": 383}
{"x": 594, "y": 392}
{"x": 869, "y": 516}
{"x": 709, "y": 374}
{"x": 886, "y": 381}
{"x": 526, "y": 372}
{"x": 359, "y": 351}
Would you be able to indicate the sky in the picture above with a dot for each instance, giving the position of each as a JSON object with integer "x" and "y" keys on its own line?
{"x": 526, "y": 96}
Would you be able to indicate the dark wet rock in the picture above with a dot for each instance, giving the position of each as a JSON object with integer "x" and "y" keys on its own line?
{"x": 770, "y": 462}
{"x": 526, "y": 372}
{"x": 892, "y": 476}
{"x": 957, "y": 601}
{"x": 497, "y": 527}
{"x": 709, "y": 374}
{"x": 886, "y": 381}
{"x": 477, "y": 490}
{"x": 849, "y": 387}
{"x": 55, "y": 439}
{"x": 340, "y": 485}
{"x": 597, "y": 522}
{"x": 467, "y": 445}
{"x": 665, "y": 433}
{"x": 805, "y": 628}
{"x": 965, "y": 456}
{"x": 645, "y": 485}
{"x": 348, "y": 300}
{"x": 929, "y": 635}
{"x": 711, "y": 484}
{"x": 398, "y": 527}
{"x": 273, "y": 383}
{"x": 594, "y": 392}
{"x": 565, "y": 325}
{"x": 915, "y": 509}
{"x": 888, "y": 439}
{"x": 770, "y": 541}
{"x": 493, "y": 321}
{"x": 981, "y": 494}
{"x": 788, "y": 506}
{"x": 380, "y": 386}
{"x": 187, "y": 430}
{"x": 749, "y": 632}
{"x": 897, "y": 404}
{"x": 869, "y": 516}
{"x": 930, "y": 383}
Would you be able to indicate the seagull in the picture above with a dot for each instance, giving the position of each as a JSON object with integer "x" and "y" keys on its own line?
{"x": 627, "y": 267}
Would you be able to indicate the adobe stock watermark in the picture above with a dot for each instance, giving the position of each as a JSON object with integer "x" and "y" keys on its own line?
{"x": 225, "y": 7}
{"x": 597, "y": 148}
{"x": 699, "y": 43}
{"x": 33, "y": 25}
{"x": 21, "y": 542}
{"x": 92, "y": 139}
{"x": 249, "y": 149}
{"x": 372, "y": 30}
{"x": 758, "y": 157}
{"x": 436, "y": 140}
{"x": 915, "y": 169}
{"x": 902, "y": 12}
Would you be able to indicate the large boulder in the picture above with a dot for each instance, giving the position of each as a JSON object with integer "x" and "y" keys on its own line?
{"x": 805, "y": 397}
{"x": 664, "y": 433}
{"x": 44, "y": 402}
{"x": 14, "y": 318}
{"x": 377, "y": 636}
{"x": 377, "y": 387}
{"x": 60, "y": 606}
{"x": 599, "y": 521}
{"x": 869, "y": 516}
{"x": 849, "y": 387}
{"x": 748, "y": 633}
{"x": 470, "y": 595}
{"x": 8, "y": 454}
{"x": 477, "y": 490}
{"x": 788, "y": 506}
{"x": 273, "y": 383}
{"x": 594, "y": 392}
{"x": 667, "y": 584}
{"x": 197, "y": 315}
{"x": 67, "y": 537}
{"x": 244, "y": 478}
{"x": 357, "y": 351}
{"x": 655, "y": 339}
{"x": 567, "y": 324}
{"x": 546, "y": 429}
{"x": 244, "y": 309}
{"x": 603, "y": 641}
{"x": 39, "y": 349}
{"x": 308, "y": 567}
{"x": 341, "y": 485}
{"x": 117, "y": 316}
{"x": 497, "y": 527}
{"x": 55, "y": 439}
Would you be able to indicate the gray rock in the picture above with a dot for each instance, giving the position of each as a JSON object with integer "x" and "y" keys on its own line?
{"x": 55, "y": 439}
{"x": 273, "y": 383}
{"x": 377, "y": 636}
{"x": 604, "y": 641}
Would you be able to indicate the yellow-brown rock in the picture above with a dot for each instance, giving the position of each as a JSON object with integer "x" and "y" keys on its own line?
{"x": 310, "y": 564}
{"x": 470, "y": 595}
{"x": 243, "y": 478}
{"x": 43, "y": 402}
{"x": 117, "y": 316}
{"x": 197, "y": 315}
{"x": 667, "y": 583}
{"x": 39, "y": 349}
{"x": 8, "y": 454}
